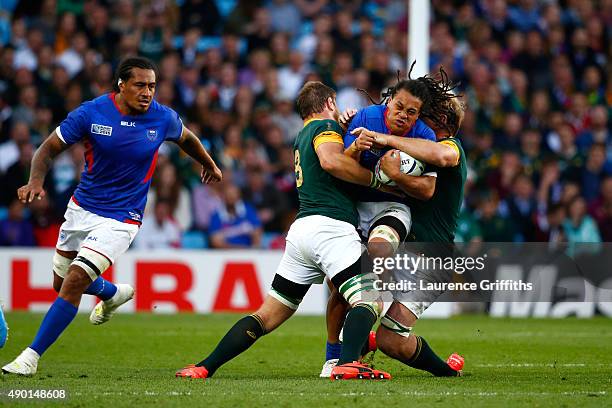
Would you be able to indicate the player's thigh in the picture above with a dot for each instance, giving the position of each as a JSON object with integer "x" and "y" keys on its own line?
{"x": 336, "y": 246}
{"x": 111, "y": 238}
{"x": 104, "y": 243}
{"x": 61, "y": 264}
{"x": 396, "y": 216}
{"x": 425, "y": 291}
{"x": 73, "y": 231}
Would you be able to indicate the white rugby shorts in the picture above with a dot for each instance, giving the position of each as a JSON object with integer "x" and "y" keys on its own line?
{"x": 318, "y": 246}
{"x": 107, "y": 236}
{"x": 371, "y": 212}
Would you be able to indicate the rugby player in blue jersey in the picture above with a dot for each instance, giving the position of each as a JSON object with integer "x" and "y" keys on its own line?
{"x": 122, "y": 132}
{"x": 385, "y": 220}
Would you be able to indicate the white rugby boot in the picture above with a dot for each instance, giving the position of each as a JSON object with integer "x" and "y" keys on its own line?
{"x": 105, "y": 309}
{"x": 328, "y": 367}
{"x": 25, "y": 364}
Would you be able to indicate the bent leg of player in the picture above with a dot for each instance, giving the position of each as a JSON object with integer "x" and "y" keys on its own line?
{"x": 60, "y": 315}
{"x": 112, "y": 238}
{"x": 388, "y": 224}
{"x": 388, "y": 228}
{"x": 100, "y": 288}
{"x": 280, "y": 304}
{"x": 358, "y": 290}
{"x": 104, "y": 235}
{"x": 3, "y": 328}
{"x": 394, "y": 338}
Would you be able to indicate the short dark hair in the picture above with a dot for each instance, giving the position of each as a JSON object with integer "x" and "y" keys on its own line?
{"x": 312, "y": 98}
{"x": 124, "y": 71}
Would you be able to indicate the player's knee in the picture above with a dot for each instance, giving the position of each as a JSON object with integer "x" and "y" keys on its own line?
{"x": 391, "y": 326}
{"x": 359, "y": 291}
{"x": 61, "y": 264}
{"x": 92, "y": 262}
{"x": 383, "y": 241}
{"x": 379, "y": 248}
{"x": 287, "y": 292}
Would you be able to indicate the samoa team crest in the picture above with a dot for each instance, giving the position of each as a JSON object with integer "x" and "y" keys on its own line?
{"x": 152, "y": 134}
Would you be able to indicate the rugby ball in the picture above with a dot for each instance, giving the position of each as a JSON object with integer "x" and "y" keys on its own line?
{"x": 408, "y": 165}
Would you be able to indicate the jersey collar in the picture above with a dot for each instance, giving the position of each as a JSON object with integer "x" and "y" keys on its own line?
{"x": 306, "y": 123}
{"x": 115, "y": 104}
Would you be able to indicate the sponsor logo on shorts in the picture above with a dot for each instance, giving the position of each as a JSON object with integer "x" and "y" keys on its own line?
{"x": 90, "y": 238}
{"x": 101, "y": 129}
{"x": 128, "y": 124}
{"x": 152, "y": 134}
{"x": 62, "y": 235}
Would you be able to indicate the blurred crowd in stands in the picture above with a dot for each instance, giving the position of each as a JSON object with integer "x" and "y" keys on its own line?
{"x": 536, "y": 76}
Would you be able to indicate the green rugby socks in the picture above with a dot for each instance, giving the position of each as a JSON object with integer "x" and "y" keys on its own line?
{"x": 425, "y": 359}
{"x": 239, "y": 338}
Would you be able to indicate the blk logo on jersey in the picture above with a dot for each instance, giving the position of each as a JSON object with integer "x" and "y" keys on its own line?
{"x": 101, "y": 129}
{"x": 128, "y": 124}
{"x": 152, "y": 134}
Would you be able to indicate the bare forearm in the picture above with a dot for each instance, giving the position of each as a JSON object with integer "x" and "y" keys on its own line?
{"x": 41, "y": 163}
{"x": 419, "y": 187}
{"x": 349, "y": 170}
{"x": 352, "y": 152}
{"x": 424, "y": 150}
{"x": 43, "y": 158}
{"x": 191, "y": 145}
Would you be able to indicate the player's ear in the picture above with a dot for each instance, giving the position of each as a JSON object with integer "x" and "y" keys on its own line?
{"x": 331, "y": 103}
{"x": 120, "y": 84}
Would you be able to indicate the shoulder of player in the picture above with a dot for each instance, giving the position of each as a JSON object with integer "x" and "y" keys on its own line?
{"x": 157, "y": 107}
{"x": 451, "y": 141}
{"x": 372, "y": 112}
{"x": 420, "y": 125}
{"x": 455, "y": 143}
{"x": 325, "y": 125}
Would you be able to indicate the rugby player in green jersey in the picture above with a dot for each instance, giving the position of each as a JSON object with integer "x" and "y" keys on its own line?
{"x": 323, "y": 241}
{"x": 433, "y": 221}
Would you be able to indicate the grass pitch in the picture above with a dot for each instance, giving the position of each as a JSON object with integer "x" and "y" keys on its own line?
{"x": 131, "y": 362}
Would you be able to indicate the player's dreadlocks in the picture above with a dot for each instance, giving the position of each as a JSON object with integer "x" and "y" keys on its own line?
{"x": 445, "y": 111}
{"x": 435, "y": 95}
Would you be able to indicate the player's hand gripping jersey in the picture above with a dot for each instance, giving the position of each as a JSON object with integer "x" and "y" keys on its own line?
{"x": 374, "y": 118}
{"x": 120, "y": 154}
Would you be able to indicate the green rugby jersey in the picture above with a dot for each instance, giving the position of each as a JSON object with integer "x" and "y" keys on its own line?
{"x": 319, "y": 192}
{"x": 436, "y": 220}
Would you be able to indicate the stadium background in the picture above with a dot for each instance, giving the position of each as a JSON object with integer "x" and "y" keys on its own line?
{"x": 535, "y": 76}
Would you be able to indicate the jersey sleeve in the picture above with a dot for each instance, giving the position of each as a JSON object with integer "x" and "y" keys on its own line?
{"x": 175, "y": 126}
{"x": 75, "y": 126}
{"x": 423, "y": 131}
{"x": 328, "y": 131}
{"x": 452, "y": 142}
{"x": 357, "y": 121}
